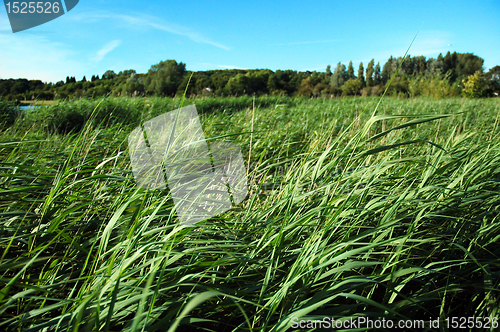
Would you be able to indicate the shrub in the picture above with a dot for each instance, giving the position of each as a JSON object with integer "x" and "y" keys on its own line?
{"x": 434, "y": 87}
{"x": 8, "y": 113}
{"x": 352, "y": 87}
{"x": 475, "y": 86}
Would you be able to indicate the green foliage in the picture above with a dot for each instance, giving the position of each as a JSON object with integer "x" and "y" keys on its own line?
{"x": 475, "y": 86}
{"x": 432, "y": 87}
{"x": 370, "y": 71}
{"x": 350, "y": 72}
{"x": 386, "y": 71}
{"x": 8, "y": 113}
{"x": 169, "y": 78}
{"x": 109, "y": 75}
{"x": 352, "y": 87}
{"x": 339, "y": 76}
{"x": 361, "y": 76}
{"x": 306, "y": 87}
{"x": 164, "y": 78}
{"x": 349, "y": 212}
{"x": 493, "y": 79}
{"x": 377, "y": 78}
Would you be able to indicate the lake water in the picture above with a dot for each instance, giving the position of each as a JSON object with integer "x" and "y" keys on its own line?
{"x": 25, "y": 108}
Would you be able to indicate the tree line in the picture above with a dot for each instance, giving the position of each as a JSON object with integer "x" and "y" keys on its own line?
{"x": 454, "y": 74}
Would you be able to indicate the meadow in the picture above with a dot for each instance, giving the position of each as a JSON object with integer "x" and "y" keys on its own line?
{"x": 356, "y": 208}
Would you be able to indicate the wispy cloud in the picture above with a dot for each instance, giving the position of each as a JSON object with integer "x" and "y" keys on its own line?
{"x": 152, "y": 22}
{"x": 156, "y": 23}
{"x": 309, "y": 42}
{"x": 106, "y": 49}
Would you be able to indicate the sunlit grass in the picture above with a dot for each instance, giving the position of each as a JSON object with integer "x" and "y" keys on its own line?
{"x": 401, "y": 226}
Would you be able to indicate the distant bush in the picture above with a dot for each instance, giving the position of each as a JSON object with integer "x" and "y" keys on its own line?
{"x": 8, "y": 113}
{"x": 71, "y": 115}
{"x": 475, "y": 86}
{"x": 432, "y": 87}
{"x": 352, "y": 87}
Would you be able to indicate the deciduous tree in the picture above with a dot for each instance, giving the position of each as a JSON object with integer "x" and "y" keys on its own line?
{"x": 339, "y": 76}
{"x": 350, "y": 72}
{"x": 361, "y": 75}
{"x": 369, "y": 73}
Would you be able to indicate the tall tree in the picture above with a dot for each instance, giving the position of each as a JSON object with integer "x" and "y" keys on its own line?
{"x": 468, "y": 64}
{"x": 395, "y": 64}
{"x": 361, "y": 75}
{"x": 164, "y": 78}
{"x": 108, "y": 75}
{"x": 376, "y": 74}
{"x": 350, "y": 71}
{"x": 328, "y": 74}
{"x": 386, "y": 70}
{"x": 339, "y": 76}
{"x": 369, "y": 73}
{"x": 421, "y": 65}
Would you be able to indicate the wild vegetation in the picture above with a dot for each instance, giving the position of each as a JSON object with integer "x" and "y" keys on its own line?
{"x": 355, "y": 209}
{"x": 445, "y": 76}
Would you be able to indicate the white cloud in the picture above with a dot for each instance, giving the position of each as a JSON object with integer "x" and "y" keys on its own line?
{"x": 148, "y": 21}
{"x": 106, "y": 49}
{"x": 154, "y": 22}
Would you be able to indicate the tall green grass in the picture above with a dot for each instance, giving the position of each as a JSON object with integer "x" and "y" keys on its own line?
{"x": 345, "y": 218}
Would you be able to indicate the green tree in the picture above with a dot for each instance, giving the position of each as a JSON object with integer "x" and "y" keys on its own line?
{"x": 108, "y": 75}
{"x": 421, "y": 65}
{"x": 475, "y": 86}
{"x": 127, "y": 72}
{"x": 370, "y": 81}
{"x": 164, "y": 78}
{"x": 494, "y": 74}
{"x": 20, "y": 86}
{"x": 386, "y": 70}
{"x": 467, "y": 64}
{"x": 350, "y": 72}
{"x": 237, "y": 85}
{"x": 377, "y": 79}
{"x": 435, "y": 67}
{"x": 257, "y": 81}
{"x": 352, "y": 87}
{"x": 327, "y": 75}
{"x": 329, "y": 70}
{"x": 306, "y": 87}
{"x": 361, "y": 76}
{"x": 133, "y": 85}
{"x": 339, "y": 76}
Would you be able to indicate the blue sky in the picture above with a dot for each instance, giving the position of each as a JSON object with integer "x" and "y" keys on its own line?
{"x": 98, "y": 35}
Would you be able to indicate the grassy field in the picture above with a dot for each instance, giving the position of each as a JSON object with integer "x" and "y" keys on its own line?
{"x": 354, "y": 210}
